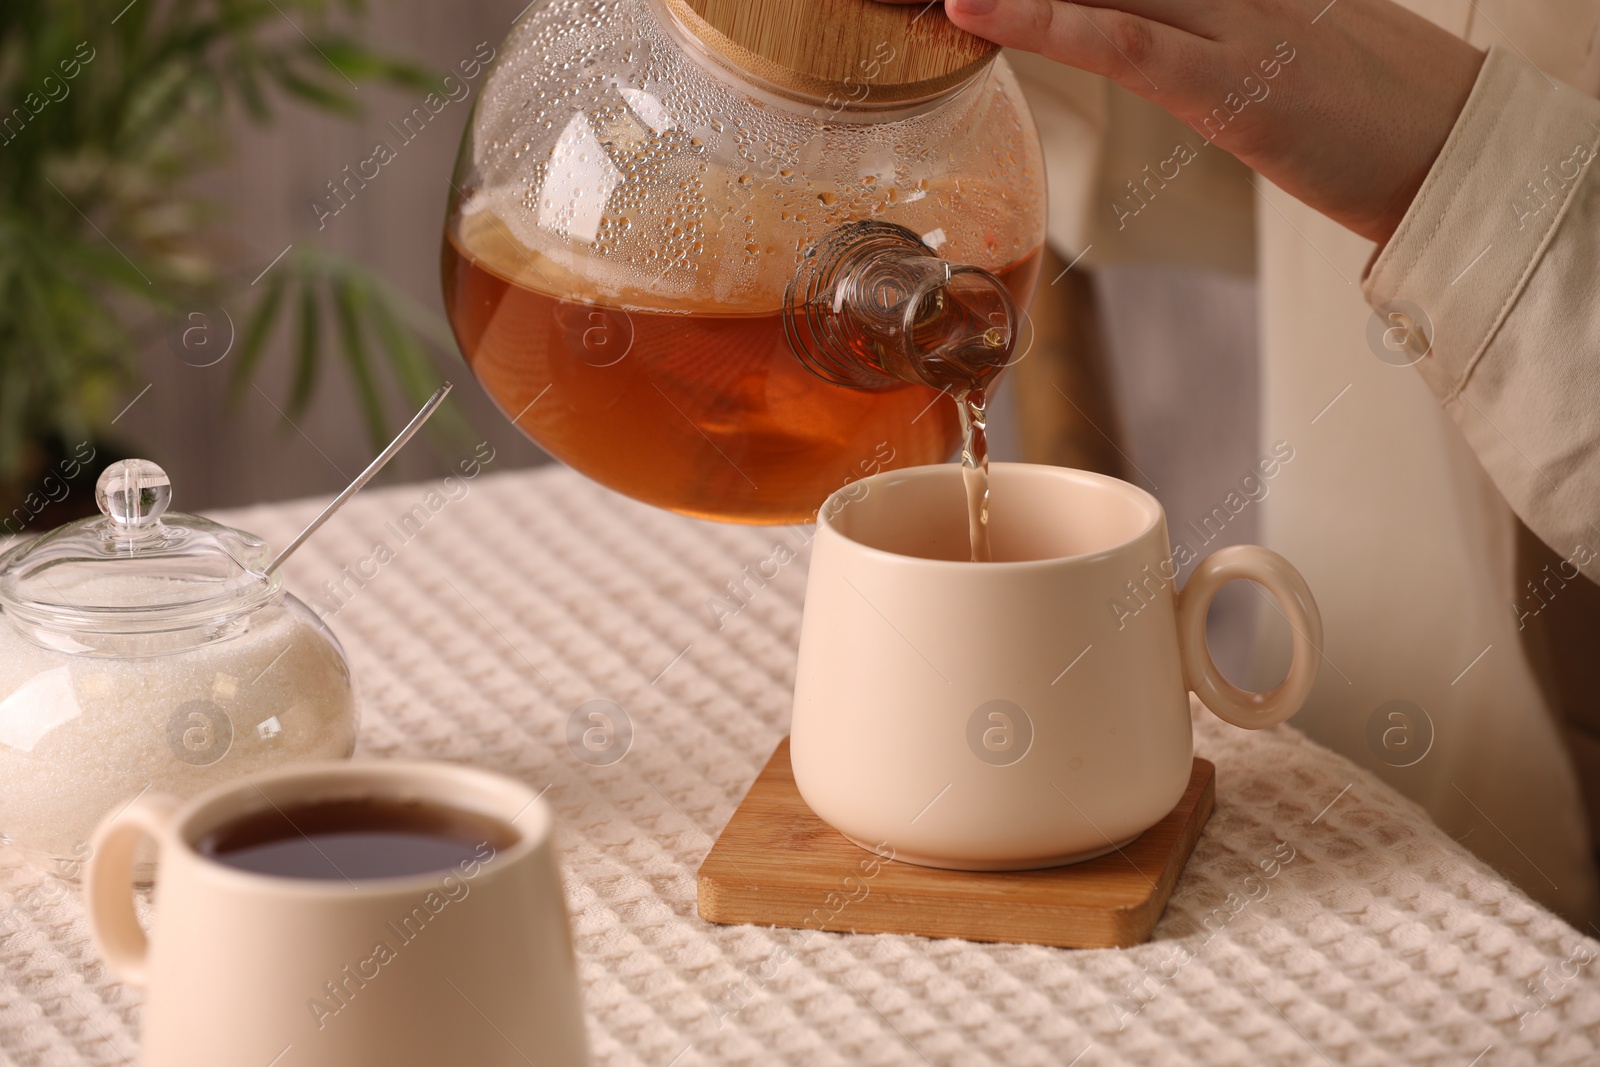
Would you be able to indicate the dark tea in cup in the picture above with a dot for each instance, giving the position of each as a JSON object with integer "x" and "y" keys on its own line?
{"x": 355, "y": 838}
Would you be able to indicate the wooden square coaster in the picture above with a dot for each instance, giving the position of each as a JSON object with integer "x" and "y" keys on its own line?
{"x": 777, "y": 864}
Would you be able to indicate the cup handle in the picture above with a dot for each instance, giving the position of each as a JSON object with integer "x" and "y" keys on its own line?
{"x": 107, "y": 884}
{"x": 1242, "y": 708}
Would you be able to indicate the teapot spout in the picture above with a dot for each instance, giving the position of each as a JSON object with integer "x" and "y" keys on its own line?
{"x": 871, "y": 305}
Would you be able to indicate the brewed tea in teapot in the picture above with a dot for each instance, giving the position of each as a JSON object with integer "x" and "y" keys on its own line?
{"x": 724, "y": 277}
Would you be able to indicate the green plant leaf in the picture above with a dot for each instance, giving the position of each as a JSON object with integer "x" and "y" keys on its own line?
{"x": 257, "y": 332}
{"x": 326, "y": 97}
{"x": 413, "y": 369}
{"x": 360, "y": 63}
{"x": 310, "y": 344}
{"x": 247, "y": 76}
{"x": 349, "y": 303}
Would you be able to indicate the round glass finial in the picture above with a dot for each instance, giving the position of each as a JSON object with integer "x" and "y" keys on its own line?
{"x": 133, "y": 492}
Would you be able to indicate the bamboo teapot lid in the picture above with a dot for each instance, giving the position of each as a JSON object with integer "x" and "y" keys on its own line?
{"x": 854, "y": 51}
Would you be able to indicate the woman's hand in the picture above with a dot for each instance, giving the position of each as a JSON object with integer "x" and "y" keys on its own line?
{"x": 1344, "y": 105}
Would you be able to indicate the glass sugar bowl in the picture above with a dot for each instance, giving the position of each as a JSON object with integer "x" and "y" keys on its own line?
{"x": 149, "y": 650}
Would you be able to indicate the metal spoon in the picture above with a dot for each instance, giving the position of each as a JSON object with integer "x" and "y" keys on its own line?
{"x": 365, "y": 476}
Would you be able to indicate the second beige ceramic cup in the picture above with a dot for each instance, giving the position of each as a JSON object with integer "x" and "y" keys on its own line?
{"x": 469, "y": 966}
{"x": 1024, "y": 713}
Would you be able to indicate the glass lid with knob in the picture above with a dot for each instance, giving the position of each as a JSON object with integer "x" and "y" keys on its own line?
{"x": 137, "y": 580}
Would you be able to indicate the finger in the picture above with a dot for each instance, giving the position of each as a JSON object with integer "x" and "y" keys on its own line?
{"x": 1183, "y": 14}
{"x": 1137, "y": 52}
{"x": 1203, "y": 20}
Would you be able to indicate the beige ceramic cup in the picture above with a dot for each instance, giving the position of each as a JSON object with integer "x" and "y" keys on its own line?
{"x": 1023, "y": 713}
{"x": 471, "y": 965}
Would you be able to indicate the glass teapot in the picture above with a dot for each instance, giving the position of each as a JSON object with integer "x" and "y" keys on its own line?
{"x": 147, "y": 650}
{"x": 725, "y": 255}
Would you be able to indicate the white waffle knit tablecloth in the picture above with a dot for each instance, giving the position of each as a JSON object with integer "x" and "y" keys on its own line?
{"x": 1322, "y": 918}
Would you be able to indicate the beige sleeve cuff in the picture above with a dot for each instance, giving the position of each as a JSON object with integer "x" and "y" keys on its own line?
{"x": 1488, "y": 209}
{"x": 1499, "y": 256}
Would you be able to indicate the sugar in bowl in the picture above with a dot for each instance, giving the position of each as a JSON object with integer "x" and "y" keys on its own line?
{"x": 151, "y": 650}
